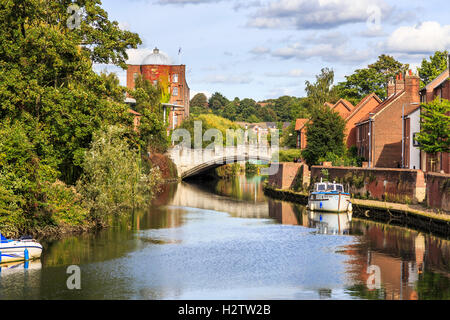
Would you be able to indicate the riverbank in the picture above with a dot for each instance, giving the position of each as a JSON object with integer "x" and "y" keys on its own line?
{"x": 413, "y": 216}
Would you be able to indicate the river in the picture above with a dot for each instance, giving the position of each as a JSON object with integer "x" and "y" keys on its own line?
{"x": 226, "y": 240}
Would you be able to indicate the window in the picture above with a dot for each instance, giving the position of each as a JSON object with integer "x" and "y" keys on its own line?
{"x": 175, "y": 78}
{"x": 415, "y": 142}
{"x": 175, "y": 92}
{"x": 155, "y": 83}
{"x": 135, "y": 76}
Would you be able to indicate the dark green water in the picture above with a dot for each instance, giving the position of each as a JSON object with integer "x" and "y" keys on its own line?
{"x": 226, "y": 240}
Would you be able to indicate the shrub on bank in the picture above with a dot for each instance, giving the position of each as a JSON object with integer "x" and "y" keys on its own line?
{"x": 289, "y": 155}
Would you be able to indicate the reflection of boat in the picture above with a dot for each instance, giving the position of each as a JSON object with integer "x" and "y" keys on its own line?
{"x": 23, "y": 249}
{"x": 330, "y": 223}
{"x": 16, "y": 267}
{"x": 330, "y": 197}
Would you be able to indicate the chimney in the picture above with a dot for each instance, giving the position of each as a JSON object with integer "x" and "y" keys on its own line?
{"x": 399, "y": 83}
{"x": 412, "y": 87}
{"x": 390, "y": 87}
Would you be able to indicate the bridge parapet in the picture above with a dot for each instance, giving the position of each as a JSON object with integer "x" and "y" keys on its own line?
{"x": 194, "y": 161}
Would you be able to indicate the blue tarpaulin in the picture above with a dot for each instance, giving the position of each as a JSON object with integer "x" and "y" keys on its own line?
{"x": 3, "y": 239}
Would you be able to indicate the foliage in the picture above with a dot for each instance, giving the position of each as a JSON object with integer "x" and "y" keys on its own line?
{"x": 289, "y": 137}
{"x": 210, "y": 121}
{"x": 371, "y": 79}
{"x": 429, "y": 70}
{"x": 152, "y": 132}
{"x": 228, "y": 171}
{"x": 434, "y": 133}
{"x": 251, "y": 169}
{"x": 325, "y": 134}
{"x": 114, "y": 177}
{"x": 199, "y": 100}
{"x": 322, "y": 90}
{"x": 289, "y": 155}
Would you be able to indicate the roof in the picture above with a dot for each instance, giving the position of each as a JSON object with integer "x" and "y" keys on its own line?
{"x": 437, "y": 81}
{"x": 412, "y": 111}
{"x": 327, "y": 104}
{"x": 300, "y": 123}
{"x": 346, "y": 104}
{"x": 362, "y": 103}
{"x": 382, "y": 105}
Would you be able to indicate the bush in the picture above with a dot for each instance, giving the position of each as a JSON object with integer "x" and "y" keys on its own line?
{"x": 114, "y": 177}
{"x": 289, "y": 155}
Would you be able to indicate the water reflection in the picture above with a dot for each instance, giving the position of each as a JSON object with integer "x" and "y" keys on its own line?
{"x": 226, "y": 240}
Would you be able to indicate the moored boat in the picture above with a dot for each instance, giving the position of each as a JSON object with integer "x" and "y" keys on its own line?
{"x": 329, "y": 197}
{"x": 23, "y": 249}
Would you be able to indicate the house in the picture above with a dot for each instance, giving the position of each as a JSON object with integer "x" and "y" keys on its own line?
{"x": 362, "y": 109}
{"x": 379, "y": 134}
{"x": 300, "y": 128}
{"x": 412, "y": 155}
{"x": 157, "y": 67}
{"x": 343, "y": 107}
{"x": 439, "y": 87}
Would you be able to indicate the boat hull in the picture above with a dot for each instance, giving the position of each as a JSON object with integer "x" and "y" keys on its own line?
{"x": 13, "y": 251}
{"x": 329, "y": 202}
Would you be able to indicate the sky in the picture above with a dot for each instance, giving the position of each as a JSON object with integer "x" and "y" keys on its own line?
{"x": 264, "y": 49}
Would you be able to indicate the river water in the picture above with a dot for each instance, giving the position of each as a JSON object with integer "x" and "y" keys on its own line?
{"x": 226, "y": 240}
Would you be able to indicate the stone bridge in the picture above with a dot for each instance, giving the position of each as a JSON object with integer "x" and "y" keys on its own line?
{"x": 191, "y": 162}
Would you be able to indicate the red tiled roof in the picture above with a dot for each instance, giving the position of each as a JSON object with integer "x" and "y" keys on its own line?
{"x": 328, "y": 105}
{"x": 382, "y": 105}
{"x": 437, "y": 81}
{"x": 346, "y": 103}
{"x": 362, "y": 103}
{"x": 300, "y": 123}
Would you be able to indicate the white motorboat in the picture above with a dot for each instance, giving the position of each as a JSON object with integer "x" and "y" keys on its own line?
{"x": 329, "y": 197}
{"x": 23, "y": 249}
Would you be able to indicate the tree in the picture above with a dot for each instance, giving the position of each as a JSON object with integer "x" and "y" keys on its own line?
{"x": 217, "y": 102}
{"x": 325, "y": 134}
{"x": 322, "y": 90}
{"x": 113, "y": 176}
{"x": 429, "y": 70}
{"x": 199, "y": 100}
{"x": 434, "y": 133}
{"x": 371, "y": 79}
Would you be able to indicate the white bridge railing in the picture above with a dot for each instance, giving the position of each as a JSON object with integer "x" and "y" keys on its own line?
{"x": 192, "y": 161}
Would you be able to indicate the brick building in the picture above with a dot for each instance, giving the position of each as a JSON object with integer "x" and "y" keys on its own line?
{"x": 157, "y": 67}
{"x": 379, "y": 135}
{"x": 413, "y": 157}
{"x": 438, "y": 88}
{"x": 300, "y": 128}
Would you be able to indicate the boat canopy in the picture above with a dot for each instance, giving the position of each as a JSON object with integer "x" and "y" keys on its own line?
{"x": 328, "y": 186}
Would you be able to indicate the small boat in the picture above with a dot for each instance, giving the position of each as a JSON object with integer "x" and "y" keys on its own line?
{"x": 23, "y": 249}
{"x": 329, "y": 197}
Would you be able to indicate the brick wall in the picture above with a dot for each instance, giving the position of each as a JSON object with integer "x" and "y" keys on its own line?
{"x": 397, "y": 185}
{"x": 286, "y": 174}
{"x": 438, "y": 190}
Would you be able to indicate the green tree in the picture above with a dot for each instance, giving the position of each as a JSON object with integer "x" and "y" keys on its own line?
{"x": 429, "y": 70}
{"x": 325, "y": 134}
{"x": 434, "y": 133}
{"x": 322, "y": 90}
{"x": 113, "y": 175}
{"x": 217, "y": 102}
{"x": 371, "y": 79}
{"x": 152, "y": 132}
{"x": 199, "y": 100}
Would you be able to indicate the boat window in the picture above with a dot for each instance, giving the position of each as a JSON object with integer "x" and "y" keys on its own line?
{"x": 339, "y": 188}
{"x": 321, "y": 187}
{"x": 330, "y": 187}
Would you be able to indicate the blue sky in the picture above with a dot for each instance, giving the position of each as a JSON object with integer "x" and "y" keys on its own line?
{"x": 267, "y": 48}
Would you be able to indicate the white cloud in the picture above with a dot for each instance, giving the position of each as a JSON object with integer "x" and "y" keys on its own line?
{"x": 228, "y": 79}
{"x": 316, "y": 14}
{"x": 260, "y": 50}
{"x": 294, "y": 73}
{"x": 327, "y": 52}
{"x": 427, "y": 37}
